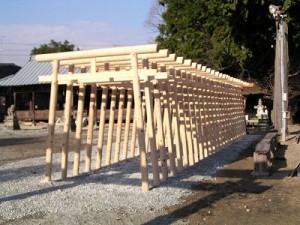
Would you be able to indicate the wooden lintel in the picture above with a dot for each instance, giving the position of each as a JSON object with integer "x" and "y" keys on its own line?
{"x": 139, "y": 49}
{"x": 107, "y": 76}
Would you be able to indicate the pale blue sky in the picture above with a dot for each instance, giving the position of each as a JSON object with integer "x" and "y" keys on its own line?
{"x": 88, "y": 24}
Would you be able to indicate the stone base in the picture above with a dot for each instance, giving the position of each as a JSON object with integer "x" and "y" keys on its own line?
{"x": 261, "y": 166}
{"x": 11, "y": 124}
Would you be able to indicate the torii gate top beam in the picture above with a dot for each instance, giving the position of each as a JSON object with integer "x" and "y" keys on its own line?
{"x": 119, "y": 58}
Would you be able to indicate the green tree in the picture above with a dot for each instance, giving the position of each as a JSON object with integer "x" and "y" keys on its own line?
{"x": 53, "y": 47}
{"x": 232, "y": 36}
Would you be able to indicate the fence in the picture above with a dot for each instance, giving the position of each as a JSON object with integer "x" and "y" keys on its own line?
{"x": 183, "y": 111}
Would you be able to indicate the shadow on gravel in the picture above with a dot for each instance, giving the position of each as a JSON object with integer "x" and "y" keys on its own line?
{"x": 37, "y": 192}
{"x": 120, "y": 174}
{"x": 21, "y": 140}
{"x": 115, "y": 174}
{"x": 21, "y": 173}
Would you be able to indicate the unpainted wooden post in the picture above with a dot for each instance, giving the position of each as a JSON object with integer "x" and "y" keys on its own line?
{"x": 223, "y": 103}
{"x": 218, "y": 109}
{"x": 218, "y": 116}
{"x": 236, "y": 133}
{"x": 160, "y": 134}
{"x": 233, "y": 112}
{"x": 67, "y": 123}
{"x": 214, "y": 118}
{"x": 92, "y": 115}
{"x": 175, "y": 121}
{"x": 193, "y": 122}
{"x": 220, "y": 103}
{"x": 139, "y": 122}
{"x": 188, "y": 126}
{"x": 144, "y": 116}
{"x": 51, "y": 120}
{"x": 133, "y": 137}
{"x": 110, "y": 135}
{"x": 127, "y": 123}
{"x": 198, "y": 118}
{"x": 241, "y": 112}
{"x": 206, "y": 117}
{"x": 215, "y": 131}
{"x": 221, "y": 114}
{"x": 101, "y": 127}
{"x": 168, "y": 125}
{"x": 119, "y": 124}
{"x": 182, "y": 126}
{"x": 78, "y": 134}
{"x": 237, "y": 115}
{"x": 150, "y": 125}
{"x": 228, "y": 113}
{"x": 154, "y": 66}
{"x": 210, "y": 117}
{"x": 151, "y": 134}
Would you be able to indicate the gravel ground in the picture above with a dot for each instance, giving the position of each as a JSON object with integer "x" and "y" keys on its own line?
{"x": 111, "y": 195}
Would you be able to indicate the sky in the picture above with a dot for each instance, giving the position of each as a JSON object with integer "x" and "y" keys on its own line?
{"x": 88, "y": 24}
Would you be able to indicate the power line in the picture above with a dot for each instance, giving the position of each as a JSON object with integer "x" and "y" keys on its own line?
{"x": 15, "y": 50}
{"x": 14, "y": 43}
{"x": 16, "y": 55}
{"x": 5, "y": 54}
{"x": 86, "y": 45}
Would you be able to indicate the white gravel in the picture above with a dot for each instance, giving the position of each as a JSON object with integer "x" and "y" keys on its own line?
{"x": 111, "y": 195}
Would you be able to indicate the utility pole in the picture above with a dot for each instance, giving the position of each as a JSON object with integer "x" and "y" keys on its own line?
{"x": 1, "y": 47}
{"x": 280, "y": 105}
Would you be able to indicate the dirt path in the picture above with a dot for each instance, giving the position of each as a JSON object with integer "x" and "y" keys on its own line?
{"x": 236, "y": 197}
{"x": 233, "y": 196}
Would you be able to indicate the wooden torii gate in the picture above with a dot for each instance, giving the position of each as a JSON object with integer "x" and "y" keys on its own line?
{"x": 183, "y": 111}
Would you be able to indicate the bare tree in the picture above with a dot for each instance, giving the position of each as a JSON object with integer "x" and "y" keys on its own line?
{"x": 154, "y": 18}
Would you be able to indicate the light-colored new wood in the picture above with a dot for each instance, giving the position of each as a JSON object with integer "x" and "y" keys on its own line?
{"x": 67, "y": 123}
{"x": 162, "y": 55}
{"x": 104, "y": 76}
{"x": 91, "y": 121}
{"x": 127, "y": 124}
{"x": 151, "y": 134}
{"x": 101, "y": 127}
{"x": 119, "y": 125}
{"x": 111, "y": 126}
{"x": 193, "y": 123}
{"x": 51, "y": 120}
{"x": 188, "y": 126}
{"x": 175, "y": 122}
{"x": 139, "y": 123}
{"x": 152, "y": 48}
{"x": 188, "y": 111}
{"x": 168, "y": 125}
{"x": 182, "y": 126}
{"x": 133, "y": 136}
{"x": 160, "y": 135}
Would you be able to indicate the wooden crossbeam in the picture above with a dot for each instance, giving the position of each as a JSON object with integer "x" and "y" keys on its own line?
{"x": 162, "y": 55}
{"x": 183, "y": 111}
{"x": 105, "y": 76}
{"x": 122, "y": 61}
{"x": 127, "y": 50}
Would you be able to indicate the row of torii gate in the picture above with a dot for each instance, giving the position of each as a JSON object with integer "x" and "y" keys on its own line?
{"x": 183, "y": 111}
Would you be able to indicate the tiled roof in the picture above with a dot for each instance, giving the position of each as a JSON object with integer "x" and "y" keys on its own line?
{"x": 29, "y": 74}
{"x": 7, "y": 69}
